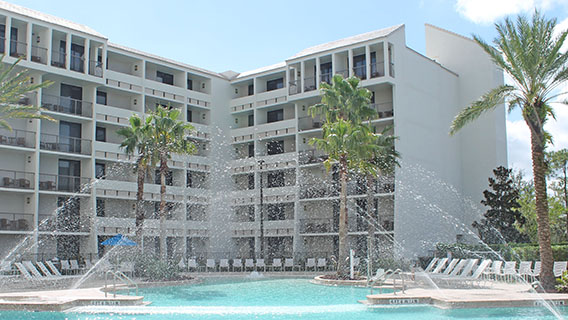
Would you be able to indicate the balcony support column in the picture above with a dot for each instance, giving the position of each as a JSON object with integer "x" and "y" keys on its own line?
{"x": 30, "y": 42}
{"x": 368, "y": 62}
{"x": 68, "y": 51}
{"x": 350, "y": 62}
{"x": 302, "y": 74}
{"x": 386, "y": 57}
{"x": 318, "y": 73}
{"x": 49, "y": 45}
{"x": 8, "y": 36}
{"x": 333, "y": 63}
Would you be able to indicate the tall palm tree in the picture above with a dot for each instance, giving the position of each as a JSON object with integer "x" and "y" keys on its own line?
{"x": 14, "y": 85}
{"x": 374, "y": 162}
{"x": 169, "y": 137}
{"x": 531, "y": 55}
{"x": 138, "y": 139}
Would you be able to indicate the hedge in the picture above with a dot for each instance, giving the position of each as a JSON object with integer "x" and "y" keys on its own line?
{"x": 508, "y": 252}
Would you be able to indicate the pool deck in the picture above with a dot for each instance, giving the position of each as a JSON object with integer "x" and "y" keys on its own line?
{"x": 497, "y": 295}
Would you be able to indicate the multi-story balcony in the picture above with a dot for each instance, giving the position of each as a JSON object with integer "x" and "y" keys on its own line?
{"x": 360, "y": 72}
{"x": 65, "y": 223}
{"x": 384, "y": 109}
{"x": 52, "y": 142}
{"x": 321, "y": 190}
{"x": 11, "y": 221}
{"x": 77, "y": 62}
{"x": 377, "y": 69}
{"x": 53, "y": 182}
{"x": 39, "y": 54}
{"x": 308, "y": 123}
{"x": 309, "y": 84}
{"x": 18, "y": 48}
{"x": 96, "y": 68}
{"x": 58, "y": 59}
{"x": 294, "y": 87}
{"x": 343, "y": 73}
{"x": 312, "y": 156}
{"x": 326, "y": 77}
{"x": 16, "y": 179}
{"x": 330, "y": 225}
{"x": 67, "y": 105}
{"x": 17, "y": 138}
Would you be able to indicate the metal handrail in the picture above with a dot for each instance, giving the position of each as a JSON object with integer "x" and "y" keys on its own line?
{"x": 384, "y": 277}
{"x": 119, "y": 275}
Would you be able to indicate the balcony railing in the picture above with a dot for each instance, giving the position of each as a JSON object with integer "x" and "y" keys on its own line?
{"x": 312, "y": 156}
{"x": 65, "y": 222}
{"x": 18, "y": 48}
{"x": 315, "y": 191}
{"x": 54, "y": 142}
{"x": 10, "y": 221}
{"x": 96, "y": 68}
{"x": 39, "y": 54}
{"x": 308, "y": 123}
{"x": 377, "y": 69}
{"x": 58, "y": 59}
{"x": 77, "y": 62}
{"x": 360, "y": 72}
{"x": 384, "y": 184}
{"x": 294, "y": 87}
{"x": 318, "y": 225}
{"x": 16, "y": 179}
{"x": 67, "y": 105}
{"x": 384, "y": 109}
{"x": 309, "y": 84}
{"x": 53, "y": 182}
{"x": 17, "y": 138}
{"x": 326, "y": 77}
{"x": 344, "y": 73}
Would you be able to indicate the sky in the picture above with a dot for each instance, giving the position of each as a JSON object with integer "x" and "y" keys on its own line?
{"x": 245, "y": 35}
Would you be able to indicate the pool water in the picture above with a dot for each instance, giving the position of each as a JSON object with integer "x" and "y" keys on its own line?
{"x": 278, "y": 299}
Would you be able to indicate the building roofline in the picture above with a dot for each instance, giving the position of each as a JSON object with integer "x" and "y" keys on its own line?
{"x": 433, "y": 61}
{"x": 448, "y": 31}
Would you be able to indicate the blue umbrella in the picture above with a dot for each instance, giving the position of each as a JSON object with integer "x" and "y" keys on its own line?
{"x": 118, "y": 240}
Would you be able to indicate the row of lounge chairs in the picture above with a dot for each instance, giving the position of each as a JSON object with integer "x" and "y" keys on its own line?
{"x": 45, "y": 270}
{"x": 254, "y": 265}
{"x": 494, "y": 270}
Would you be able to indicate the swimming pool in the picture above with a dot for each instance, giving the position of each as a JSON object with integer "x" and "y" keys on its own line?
{"x": 277, "y": 299}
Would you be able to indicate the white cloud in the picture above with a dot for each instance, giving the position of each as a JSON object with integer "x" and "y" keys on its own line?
{"x": 487, "y": 11}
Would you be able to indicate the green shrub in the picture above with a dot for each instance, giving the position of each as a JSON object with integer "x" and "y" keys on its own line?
{"x": 155, "y": 269}
{"x": 508, "y": 252}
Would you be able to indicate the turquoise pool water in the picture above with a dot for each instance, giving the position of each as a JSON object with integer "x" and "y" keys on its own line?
{"x": 278, "y": 299}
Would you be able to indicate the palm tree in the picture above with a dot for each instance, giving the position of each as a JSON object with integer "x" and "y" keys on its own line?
{"x": 374, "y": 162}
{"x": 138, "y": 139}
{"x": 169, "y": 136}
{"x": 14, "y": 85}
{"x": 531, "y": 55}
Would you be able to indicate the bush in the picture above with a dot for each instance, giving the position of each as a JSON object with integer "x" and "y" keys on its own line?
{"x": 509, "y": 252}
{"x": 156, "y": 270}
{"x": 562, "y": 286}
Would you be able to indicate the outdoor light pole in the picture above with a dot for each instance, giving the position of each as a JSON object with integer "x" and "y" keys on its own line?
{"x": 260, "y": 164}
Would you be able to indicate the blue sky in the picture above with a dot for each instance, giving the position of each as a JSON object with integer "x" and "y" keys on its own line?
{"x": 245, "y": 35}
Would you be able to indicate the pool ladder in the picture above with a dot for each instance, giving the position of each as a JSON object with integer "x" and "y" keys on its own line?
{"x": 119, "y": 275}
{"x": 381, "y": 279}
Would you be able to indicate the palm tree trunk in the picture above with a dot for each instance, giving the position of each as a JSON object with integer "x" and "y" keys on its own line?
{"x": 139, "y": 214}
{"x": 342, "y": 256}
{"x": 566, "y": 197}
{"x": 539, "y": 175}
{"x": 162, "y": 213}
{"x": 372, "y": 220}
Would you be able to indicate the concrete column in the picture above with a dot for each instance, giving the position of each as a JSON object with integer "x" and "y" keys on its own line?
{"x": 30, "y": 41}
{"x": 68, "y": 51}
{"x": 386, "y": 57}
{"x": 302, "y": 76}
{"x": 333, "y": 61}
{"x": 49, "y": 45}
{"x": 368, "y": 61}
{"x": 318, "y": 73}
{"x": 104, "y": 58}
{"x": 8, "y": 35}
{"x": 350, "y": 62}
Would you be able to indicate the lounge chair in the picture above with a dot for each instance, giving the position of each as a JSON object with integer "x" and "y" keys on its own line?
{"x": 127, "y": 268}
{"x": 75, "y": 268}
{"x": 53, "y": 268}
{"x": 32, "y": 269}
{"x": 181, "y": 265}
{"x": 441, "y": 264}
{"x": 65, "y": 267}
{"x": 469, "y": 267}
{"x": 6, "y": 268}
{"x": 451, "y": 266}
{"x": 24, "y": 271}
{"x": 249, "y": 263}
{"x": 260, "y": 264}
{"x": 459, "y": 267}
{"x": 237, "y": 263}
{"x": 310, "y": 263}
{"x": 45, "y": 270}
{"x": 289, "y": 263}
{"x": 525, "y": 269}
{"x": 464, "y": 278}
{"x": 192, "y": 263}
{"x": 495, "y": 271}
{"x": 559, "y": 268}
{"x": 431, "y": 265}
{"x": 210, "y": 263}
{"x": 322, "y": 263}
{"x": 224, "y": 263}
{"x": 356, "y": 262}
{"x": 536, "y": 271}
{"x": 510, "y": 270}
{"x": 276, "y": 263}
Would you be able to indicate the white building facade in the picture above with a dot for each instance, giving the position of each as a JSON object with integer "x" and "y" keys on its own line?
{"x": 66, "y": 186}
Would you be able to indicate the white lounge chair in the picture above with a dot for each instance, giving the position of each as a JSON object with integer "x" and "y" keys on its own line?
{"x": 465, "y": 278}
{"x": 310, "y": 263}
{"x": 24, "y": 271}
{"x": 192, "y": 263}
{"x": 6, "y": 268}
{"x": 451, "y": 266}
{"x": 237, "y": 263}
{"x": 75, "y": 268}
{"x": 510, "y": 270}
{"x": 65, "y": 266}
{"x": 224, "y": 264}
{"x": 289, "y": 263}
{"x": 53, "y": 268}
{"x": 249, "y": 263}
{"x": 441, "y": 264}
{"x": 276, "y": 263}
{"x": 210, "y": 264}
{"x": 495, "y": 271}
{"x": 127, "y": 267}
{"x": 431, "y": 265}
{"x": 459, "y": 267}
{"x": 322, "y": 263}
{"x": 181, "y": 265}
{"x": 469, "y": 267}
{"x": 45, "y": 270}
{"x": 260, "y": 264}
{"x": 559, "y": 268}
{"x": 525, "y": 269}
{"x": 536, "y": 270}
{"x": 32, "y": 269}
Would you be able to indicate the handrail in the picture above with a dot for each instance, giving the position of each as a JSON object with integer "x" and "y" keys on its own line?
{"x": 119, "y": 275}
{"x": 384, "y": 277}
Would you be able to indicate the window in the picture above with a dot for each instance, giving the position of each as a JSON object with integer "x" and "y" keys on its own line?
{"x": 69, "y": 137}
{"x": 275, "y": 179}
{"x": 69, "y": 175}
{"x": 100, "y": 170}
{"x": 70, "y": 101}
{"x": 251, "y": 181}
{"x": 101, "y": 97}
{"x": 251, "y": 150}
{"x": 165, "y": 77}
{"x": 100, "y": 134}
{"x": 275, "y": 84}
{"x": 276, "y": 212}
{"x": 100, "y": 207}
{"x": 251, "y": 120}
{"x": 275, "y": 147}
{"x": 276, "y": 115}
{"x": 189, "y": 84}
{"x": 77, "y": 57}
{"x": 189, "y": 182}
{"x": 250, "y": 89}
{"x": 359, "y": 68}
{"x": 189, "y": 116}
{"x": 3, "y": 35}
